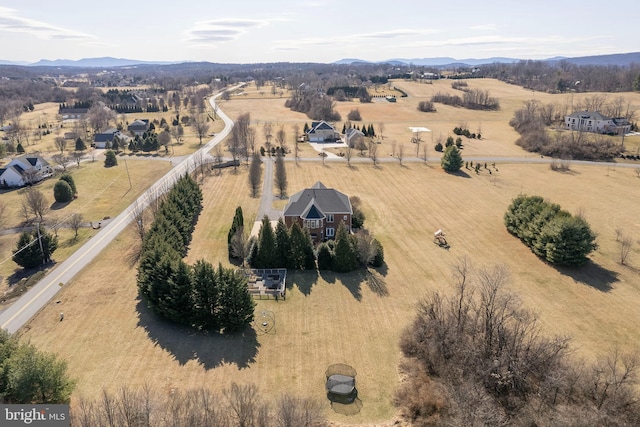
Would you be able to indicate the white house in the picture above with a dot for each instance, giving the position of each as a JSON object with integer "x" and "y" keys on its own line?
{"x": 23, "y": 170}
{"x": 593, "y": 121}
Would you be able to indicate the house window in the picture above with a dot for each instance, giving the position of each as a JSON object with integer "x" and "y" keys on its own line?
{"x": 330, "y": 232}
{"x": 311, "y": 223}
{"x": 344, "y": 218}
{"x": 330, "y": 218}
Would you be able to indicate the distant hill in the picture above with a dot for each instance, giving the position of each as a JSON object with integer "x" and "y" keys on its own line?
{"x": 5, "y": 62}
{"x": 620, "y": 59}
{"x": 104, "y": 62}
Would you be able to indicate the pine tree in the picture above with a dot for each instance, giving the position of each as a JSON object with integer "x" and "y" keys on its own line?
{"x": 33, "y": 249}
{"x": 80, "y": 145}
{"x": 237, "y": 224}
{"x": 237, "y": 305}
{"x": 178, "y": 302}
{"x": 206, "y": 296}
{"x": 325, "y": 258}
{"x": 451, "y": 159}
{"x": 302, "y": 256}
{"x": 346, "y": 257}
{"x": 62, "y": 192}
{"x": 283, "y": 245}
{"x": 266, "y": 246}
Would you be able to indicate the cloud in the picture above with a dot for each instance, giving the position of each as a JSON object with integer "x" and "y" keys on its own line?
{"x": 485, "y": 27}
{"x": 10, "y": 21}
{"x": 395, "y": 33}
{"x": 209, "y": 33}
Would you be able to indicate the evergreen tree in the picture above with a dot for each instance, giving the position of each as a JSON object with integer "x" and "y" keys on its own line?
{"x": 237, "y": 224}
{"x": 115, "y": 145}
{"x": 62, "y": 192}
{"x": 325, "y": 257}
{"x": 178, "y": 304}
{"x": 19, "y": 148}
{"x": 33, "y": 249}
{"x": 110, "y": 159}
{"x": 346, "y": 257}
{"x": 302, "y": 256}
{"x": 30, "y": 376}
{"x": 80, "y": 145}
{"x": 237, "y": 305}
{"x": 378, "y": 259}
{"x": 69, "y": 180}
{"x": 206, "y": 296}
{"x": 569, "y": 240}
{"x": 283, "y": 245}
{"x": 451, "y": 159}
{"x": 266, "y": 246}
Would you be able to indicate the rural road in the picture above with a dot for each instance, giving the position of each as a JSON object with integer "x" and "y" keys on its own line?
{"x": 22, "y": 310}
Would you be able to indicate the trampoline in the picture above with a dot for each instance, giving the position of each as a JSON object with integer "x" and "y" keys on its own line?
{"x": 341, "y": 389}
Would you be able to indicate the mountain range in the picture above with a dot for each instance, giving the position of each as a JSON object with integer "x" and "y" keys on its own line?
{"x": 620, "y": 59}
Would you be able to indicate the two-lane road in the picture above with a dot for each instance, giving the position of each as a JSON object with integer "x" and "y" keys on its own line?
{"x": 18, "y": 314}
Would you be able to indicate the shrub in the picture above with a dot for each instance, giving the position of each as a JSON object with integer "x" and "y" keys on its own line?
{"x": 439, "y": 147}
{"x": 426, "y": 107}
{"x": 69, "y": 180}
{"x": 62, "y": 192}
{"x": 354, "y": 115}
{"x": 378, "y": 259}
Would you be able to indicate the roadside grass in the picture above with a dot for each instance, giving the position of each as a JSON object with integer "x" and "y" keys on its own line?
{"x": 110, "y": 339}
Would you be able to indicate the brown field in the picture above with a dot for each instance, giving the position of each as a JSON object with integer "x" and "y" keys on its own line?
{"x": 110, "y": 339}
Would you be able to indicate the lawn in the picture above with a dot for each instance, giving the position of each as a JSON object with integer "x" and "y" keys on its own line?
{"x": 110, "y": 339}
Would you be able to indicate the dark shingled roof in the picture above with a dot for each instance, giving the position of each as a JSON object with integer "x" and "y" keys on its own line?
{"x": 325, "y": 200}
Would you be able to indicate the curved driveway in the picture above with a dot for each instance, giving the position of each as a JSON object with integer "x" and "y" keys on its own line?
{"x": 22, "y": 310}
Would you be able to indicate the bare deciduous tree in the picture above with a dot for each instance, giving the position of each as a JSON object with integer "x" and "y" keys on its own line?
{"x": 281, "y": 139}
{"x": 373, "y": 152}
{"x": 61, "y": 144}
{"x": 267, "y": 131}
{"x": 3, "y": 209}
{"x": 36, "y": 203}
{"x": 626, "y": 243}
{"x": 200, "y": 123}
{"x": 239, "y": 245}
{"x": 281, "y": 175}
{"x": 74, "y": 222}
{"x": 348, "y": 153}
{"x": 255, "y": 175}
{"x": 400, "y": 153}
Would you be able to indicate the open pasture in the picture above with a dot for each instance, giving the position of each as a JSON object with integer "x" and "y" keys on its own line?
{"x": 110, "y": 339}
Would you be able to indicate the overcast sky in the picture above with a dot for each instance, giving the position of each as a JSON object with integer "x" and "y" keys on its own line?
{"x": 239, "y": 31}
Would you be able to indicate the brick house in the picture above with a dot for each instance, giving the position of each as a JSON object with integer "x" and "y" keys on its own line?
{"x": 320, "y": 210}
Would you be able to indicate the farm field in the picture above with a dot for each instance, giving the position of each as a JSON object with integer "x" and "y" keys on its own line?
{"x": 109, "y": 338}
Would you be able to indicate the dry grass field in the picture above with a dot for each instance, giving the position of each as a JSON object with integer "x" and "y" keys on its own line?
{"x": 110, "y": 339}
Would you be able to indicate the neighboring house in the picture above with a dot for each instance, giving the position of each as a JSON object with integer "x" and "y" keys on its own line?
{"x": 73, "y": 113}
{"x": 138, "y": 127}
{"x": 100, "y": 139}
{"x": 322, "y": 132}
{"x": 592, "y": 121}
{"x": 24, "y": 170}
{"x": 320, "y": 210}
{"x": 353, "y": 137}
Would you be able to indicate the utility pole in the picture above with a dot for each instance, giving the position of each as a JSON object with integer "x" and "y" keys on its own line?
{"x": 128, "y": 176}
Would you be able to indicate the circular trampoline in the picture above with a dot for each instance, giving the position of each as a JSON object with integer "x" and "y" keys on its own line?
{"x": 341, "y": 389}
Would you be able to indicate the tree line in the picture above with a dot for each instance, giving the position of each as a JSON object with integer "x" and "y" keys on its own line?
{"x": 199, "y": 296}
{"x": 235, "y": 405}
{"x": 293, "y": 248}
{"x": 551, "y": 233}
